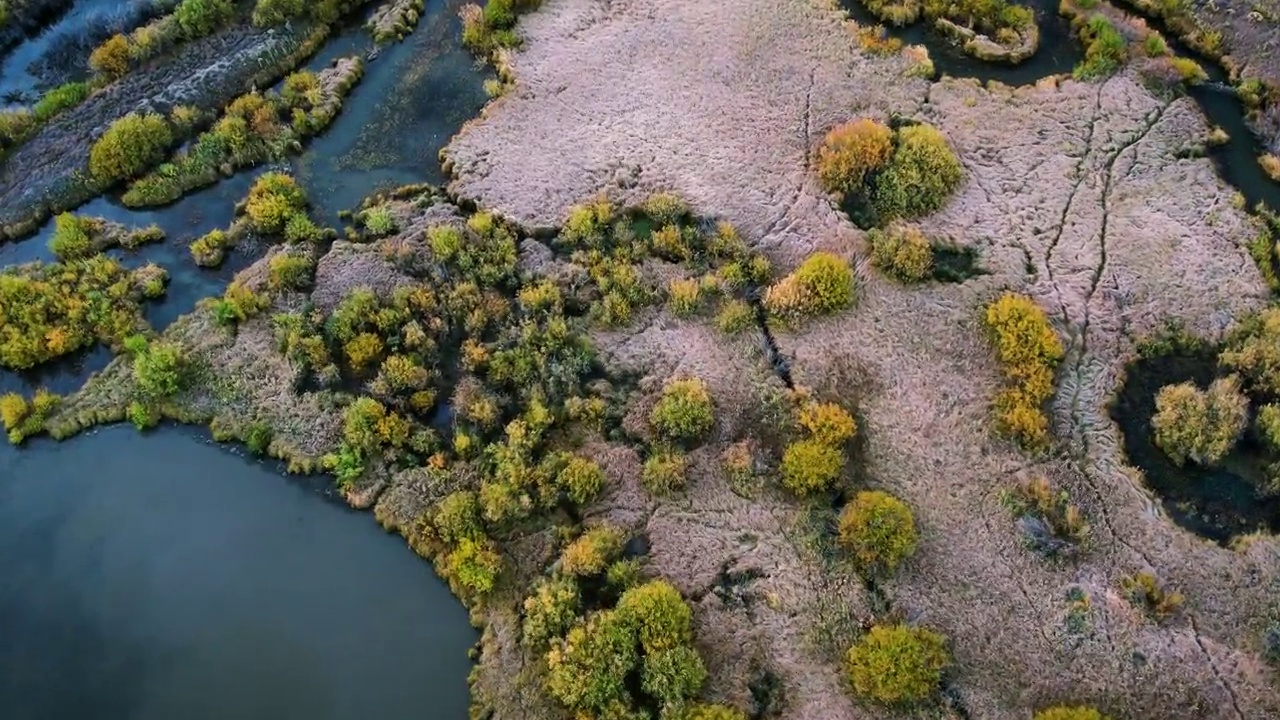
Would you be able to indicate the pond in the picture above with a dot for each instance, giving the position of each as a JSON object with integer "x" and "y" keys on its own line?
{"x": 1217, "y": 503}
{"x": 163, "y": 577}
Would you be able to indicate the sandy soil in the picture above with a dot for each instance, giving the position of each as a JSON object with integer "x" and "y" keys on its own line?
{"x": 1074, "y": 194}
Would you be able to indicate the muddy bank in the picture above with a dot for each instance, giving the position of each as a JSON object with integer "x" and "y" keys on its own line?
{"x": 49, "y": 173}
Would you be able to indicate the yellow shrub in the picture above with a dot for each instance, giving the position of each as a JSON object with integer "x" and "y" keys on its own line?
{"x": 363, "y": 351}
{"x": 13, "y": 410}
{"x": 823, "y": 284}
{"x": 1029, "y": 350}
{"x": 828, "y": 423}
{"x": 849, "y": 152}
{"x": 810, "y": 466}
{"x": 111, "y": 58}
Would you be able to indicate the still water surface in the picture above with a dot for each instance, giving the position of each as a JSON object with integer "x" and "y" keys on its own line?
{"x": 164, "y": 577}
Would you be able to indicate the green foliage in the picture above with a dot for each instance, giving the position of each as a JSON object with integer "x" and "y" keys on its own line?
{"x": 685, "y": 412}
{"x": 994, "y": 18}
{"x": 158, "y": 367}
{"x": 713, "y": 712}
{"x": 581, "y": 479}
{"x": 47, "y": 311}
{"x": 879, "y": 531}
{"x": 277, "y": 12}
{"x": 1029, "y": 350}
{"x": 1063, "y": 712}
{"x": 198, "y": 18}
{"x": 258, "y": 437}
{"x": 210, "y": 249}
{"x": 59, "y": 99}
{"x": 475, "y": 566}
{"x": 902, "y": 252}
{"x": 21, "y": 419}
{"x": 1200, "y": 426}
{"x": 921, "y": 175}
{"x": 71, "y": 240}
{"x": 810, "y": 466}
{"x": 549, "y": 612}
{"x": 671, "y": 675}
{"x": 588, "y": 670}
{"x": 273, "y": 201}
{"x": 822, "y": 285}
{"x": 896, "y": 664}
{"x": 664, "y": 473}
{"x": 130, "y": 145}
{"x": 143, "y": 416}
{"x": 457, "y": 518}
{"x": 660, "y": 617}
{"x": 486, "y": 253}
{"x": 1150, "y": 595}
{"x": 290, "y": 272}
{"x": 379, "y": 221}
{"x": 1105, "y": 49}
{"x": 665, "y": 209}
{"x": 850, "y": 152}
{"x": 1153, "y": 45}
{"x": 735, "y": 316}
{"x": 237, "y": 304}
{"x": 1253, "y": 350}
{"x": 484, "y": 30}
{"x": 592, "y": 553}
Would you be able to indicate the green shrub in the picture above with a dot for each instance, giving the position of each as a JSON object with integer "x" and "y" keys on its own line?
{"x": 811, "y": 466}
{"x": 896, "y": 664}
{"x": 59, "y": 99}
{"x": 1153, "y": 45}
{"x": 581, "y": 480}
{"x": 70, "y": 240}
{"x": 664, "y": 473}
{"x": 1200, "y": 426}
{"x": 131, "y": 145}
{"x": 684, "y": 296}
{"x": 1029, "y": 350}
{"x": 671, "y": 675}
{"x": 143, "y": 416}
{"x": 379, "y": 221}
{"x": 850, "y": 152}
{"x": 685, "y": 412}
{"x": 258, "y": 438}
{"x": 592, "y": 553}
{"x": 210, "y": 249}
{"x": 827, "y": 423}
{"x": 475, "y": 566}
{"x": 21, "y": 419}
{"x": 660, "y": 617}
{"x": 1253, "y": 350}
{"x": 1105, "y": 49}
{"x": 879, "y": 530}
{"x": 921, "y": 175}
{"x": 1269, "y": 426}
{"x": 198, "y": 18}
{"x": 290, "y": 272}
{"x": 1062, "y": 712}
{"x": 902, "y": 252}
{"x": 157, "y": 367}
{"x": 457, "y": 518}
{"x": 277, "y": 12}
{"x": 549, "y": 612}
{"x": 822, "y": 285}
{"x": 589, "y": 669}
{"x": 273, "y": 201}
{"x": 665, "y": 208}
{"x": 735, "y": 316}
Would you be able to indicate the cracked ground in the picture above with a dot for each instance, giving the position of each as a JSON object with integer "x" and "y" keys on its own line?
{"x": 1080, "y": 195}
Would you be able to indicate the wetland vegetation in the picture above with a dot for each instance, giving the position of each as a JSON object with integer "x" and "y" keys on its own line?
{"x": 569, "y": 421}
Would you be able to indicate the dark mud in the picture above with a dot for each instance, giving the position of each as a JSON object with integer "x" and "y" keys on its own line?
{"x": 1217, "y": 503}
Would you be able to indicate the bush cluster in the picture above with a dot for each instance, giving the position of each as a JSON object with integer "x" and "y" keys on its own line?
{"x": 897, "y": 664}
{"x": 48, "y": 311}
{"x": 1029, "y": 351}
{"x": 902, "y": 252}
{"x": 879, "y": 531}
{"x": 1105, "y": 48}
{"x": 1200, "y": 425}
{"x": 850, "y": 152}
{"x": 815, "y": 462}
{"x": 822, "y": 285}
{"x": 256, "y": 128}
{"x": 921, "y": 175}
{"x": 274, "y": 201}
{"x": 130, "y": 145}
{"x": 684, "y": 413}
{"x": 1253, "y": 350}
{"x": 1150, "y": 595}
{"x": 485, "y": 30}
{"x": 22, "y": 419}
